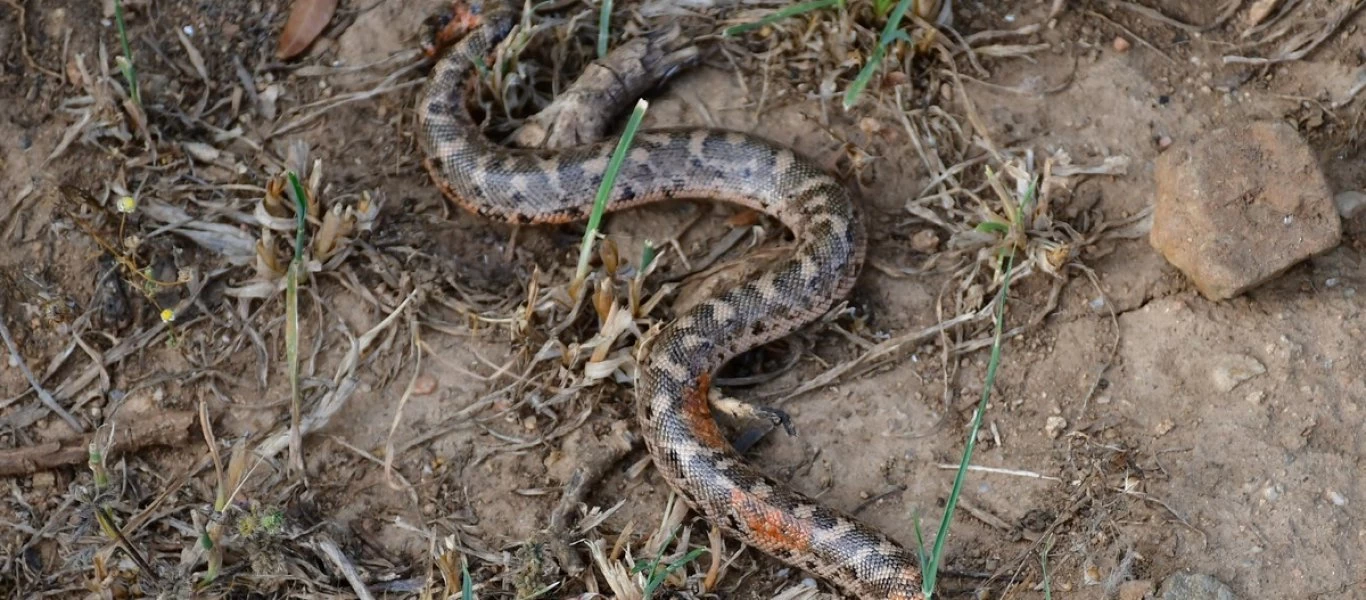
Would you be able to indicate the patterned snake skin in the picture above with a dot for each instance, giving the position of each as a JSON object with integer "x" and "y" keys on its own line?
{"x": 688, "y": 448}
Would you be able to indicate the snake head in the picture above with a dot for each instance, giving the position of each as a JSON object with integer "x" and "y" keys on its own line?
{"x": 444, "y": 28}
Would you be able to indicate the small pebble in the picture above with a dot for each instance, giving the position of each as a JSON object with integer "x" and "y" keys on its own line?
{"x": 1134, "y": 590}
{"x": 1350, "y": 204}
{"x": 870, "y": 125}
{"x": 1336, "y": 498}
{"x": 1164, "y": 427}
{"x": 1054, "y": 426}
{"x": 1091, "y": 574}
{"x": 44, "y": 480}
{"x": 1272, "y": 492}
{"x": 925, "y": 241}
{"x": 1121, "y": 44}
{"x": 425, "y": 384}
{"x": 1194, "y": 586}
{"x": 1164, "y": 142}
{"x": 1233, "y": 370}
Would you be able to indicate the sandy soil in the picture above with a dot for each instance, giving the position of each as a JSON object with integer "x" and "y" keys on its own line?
{"x": 1158, "y": 465}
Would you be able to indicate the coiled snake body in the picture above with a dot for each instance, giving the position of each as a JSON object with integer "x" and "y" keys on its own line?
{"x": 688, "y": 448}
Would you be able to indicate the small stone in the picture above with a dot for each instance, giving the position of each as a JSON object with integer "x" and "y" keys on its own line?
{"x": 1054, "y": 426}
{"x": 1336, "y": 498}
{"x": 1233, "y": 370}
{"x": 1090, "y": 575}
{"x": 44, "y": 480}
{"x": 1350, "y": 204}
{"x": 1134, "y": 590}
{"x": 1121, "y": 44}
{"x": 1255, "y": 397}
{"x": 424, "y": 384}
{"x": 1272, "y": 492}
{"x": 1194, "y": 586}
{"x": 1164, "y": 427}
{"x": 1164, "y": 142}
{"x": 1240, "y": 206}
{"x": 925, "y": 241}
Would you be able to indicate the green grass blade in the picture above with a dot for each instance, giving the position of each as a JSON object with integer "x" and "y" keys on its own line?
{"x": 604, "y": 24}
{"x": 605, "y": 191}
{"x": 647, "y": 256}
{"x": 466, "y": 583}
{"x": 657, "y": 576}
{"x": 865, "y": 74}
{"x": 130, "y": 71}
{"x": 931, "y": 569}
{"x": 920, "y": 554}
{"x": 779, "y": 15}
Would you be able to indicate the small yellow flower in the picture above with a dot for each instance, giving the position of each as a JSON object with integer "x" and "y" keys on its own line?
{"x": 167, "y": 315}
{"x": 128, "y": 204}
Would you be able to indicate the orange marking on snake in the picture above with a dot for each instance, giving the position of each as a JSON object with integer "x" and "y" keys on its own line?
{"x": 769, "y": 526}
{"x": 696, "y": 409}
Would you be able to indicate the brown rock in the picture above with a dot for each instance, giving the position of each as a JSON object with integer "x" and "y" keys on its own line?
{"x": 1135, "y": 590}
{"x": 1241, "y": 206}
{"x": 424, "y": 385}
{"x": 926, "y": 241}
{"x": 1194, "y": 586}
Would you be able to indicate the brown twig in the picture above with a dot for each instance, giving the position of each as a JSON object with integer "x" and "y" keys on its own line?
{"x": 167, "y": 429}
{"x": 23, "y": 41}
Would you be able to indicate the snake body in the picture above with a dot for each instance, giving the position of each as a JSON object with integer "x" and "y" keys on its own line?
{"x": 542, "y": 186}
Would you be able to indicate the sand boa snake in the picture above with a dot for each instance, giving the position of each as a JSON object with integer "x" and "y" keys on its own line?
{"x": 688, "y": 448}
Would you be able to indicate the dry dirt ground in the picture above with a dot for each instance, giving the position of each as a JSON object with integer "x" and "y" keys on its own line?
{"x": 1156, "y": 466}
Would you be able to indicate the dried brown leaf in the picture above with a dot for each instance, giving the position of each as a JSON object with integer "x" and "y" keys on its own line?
{"x": 1260, "y": 11}
{"x": 307, "y": 19}
{"x": 196, "y": 59}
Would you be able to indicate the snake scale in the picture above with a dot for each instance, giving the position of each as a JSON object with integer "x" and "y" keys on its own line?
{"x": 529, "y": 186}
